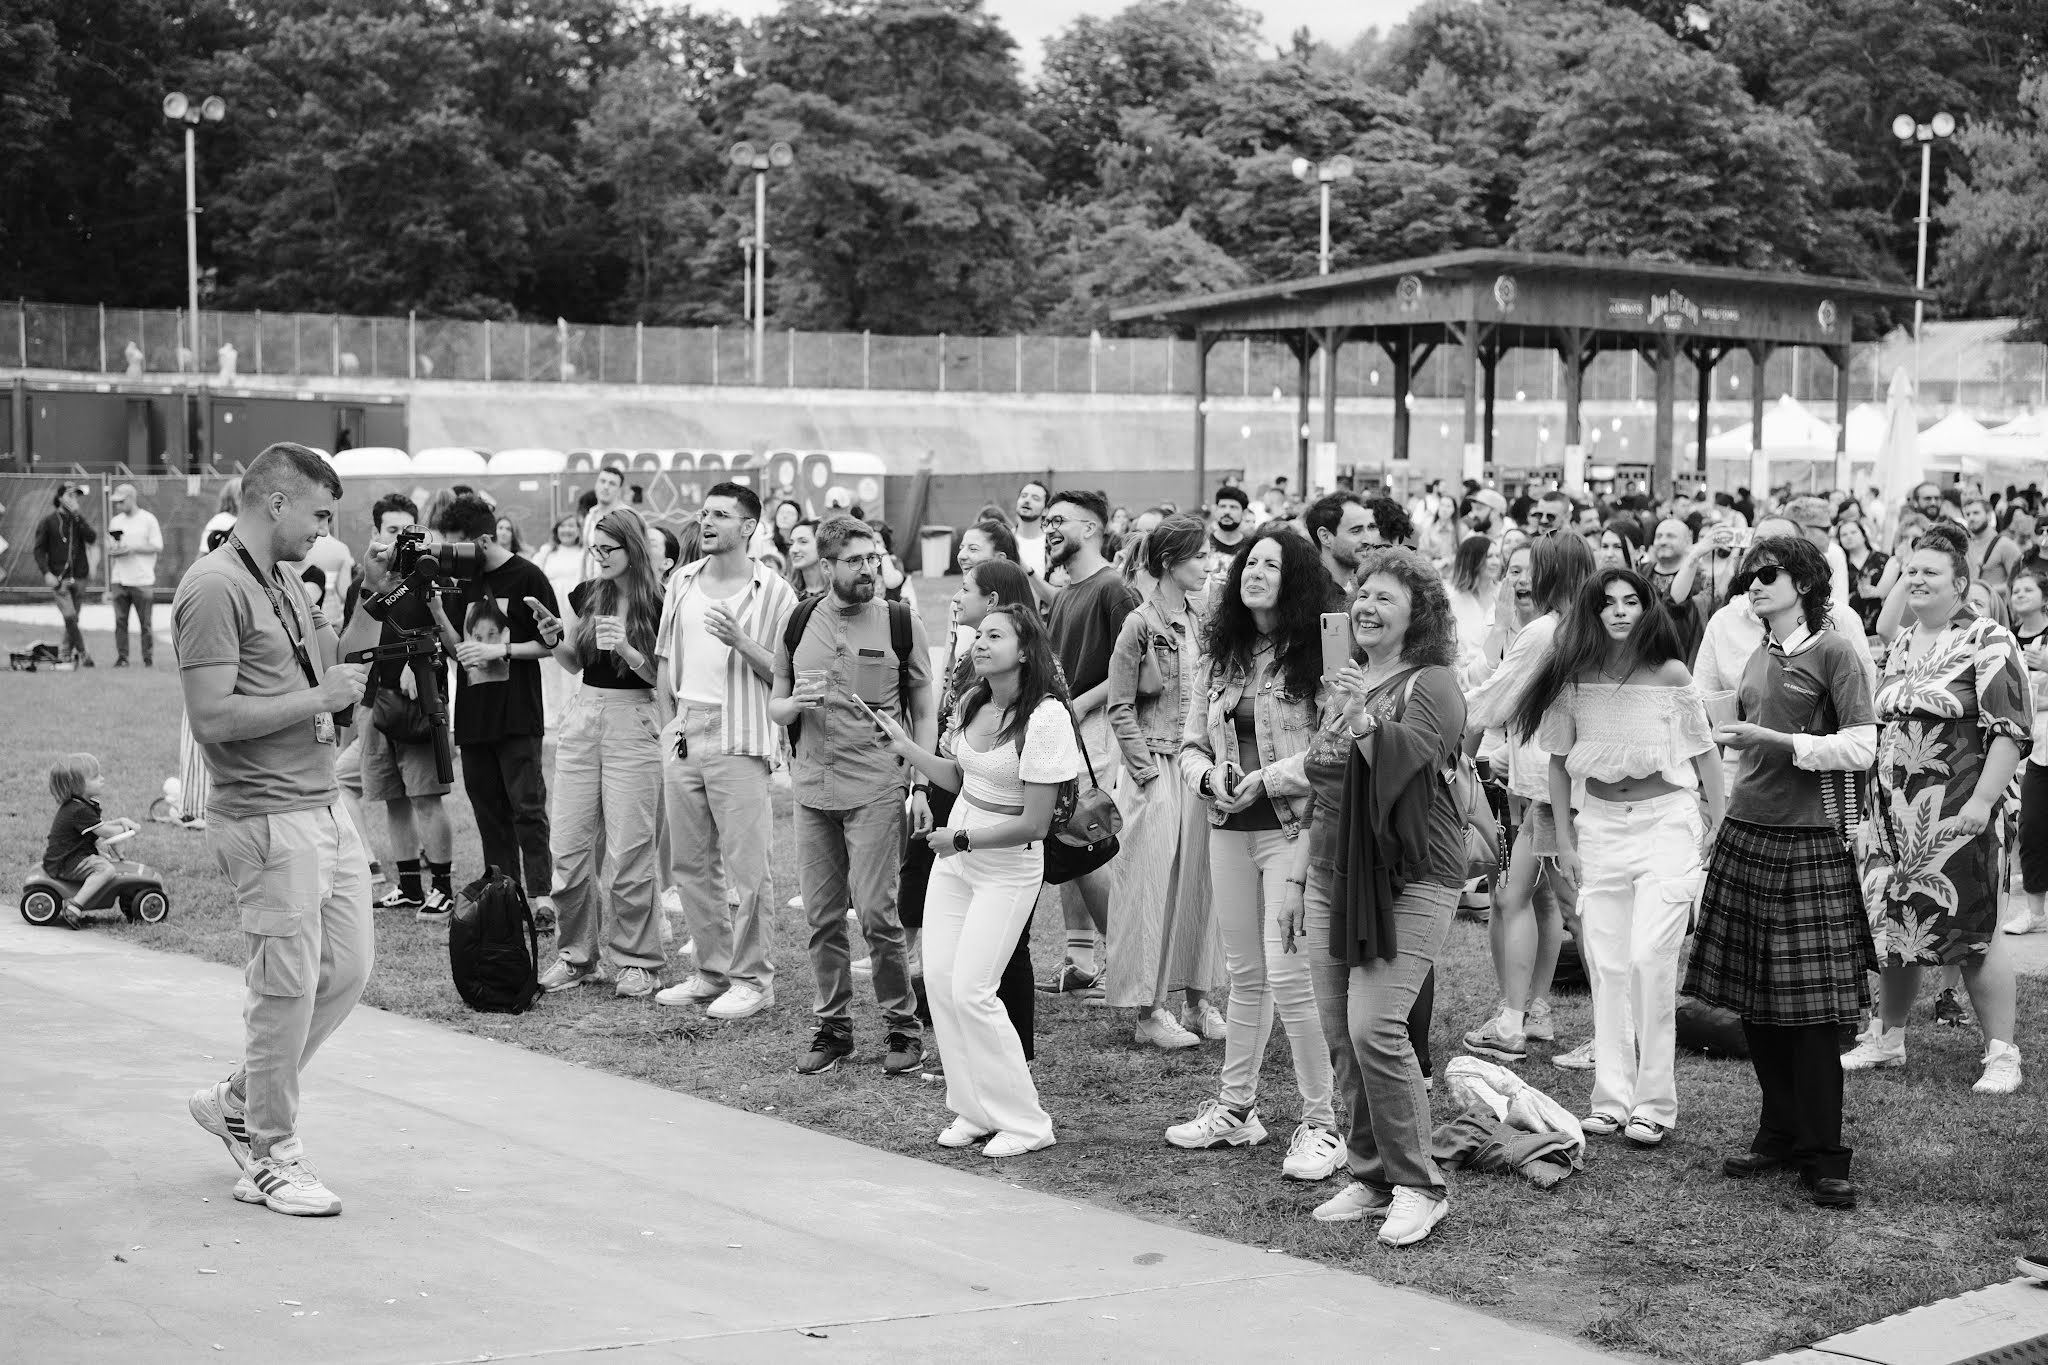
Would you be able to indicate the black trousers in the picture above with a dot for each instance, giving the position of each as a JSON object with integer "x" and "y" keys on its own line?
{"x": 1015, "y": 990}
{"x": 509, "y": 795}
{"x": 1800, "y": 1073}
{"x": 2034, "y": 827}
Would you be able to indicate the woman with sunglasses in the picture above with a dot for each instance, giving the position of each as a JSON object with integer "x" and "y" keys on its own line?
{"x": 1783, "y": 939}
{"x": 607, "y": 786}
{"x": 1615, "y": 708}
{"x": 1957, "y": 718}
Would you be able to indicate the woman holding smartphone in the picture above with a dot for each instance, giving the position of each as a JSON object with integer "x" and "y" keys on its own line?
{"x": 1244, "y": 751}
{"x": 1013, "y": 743}
{"x": 607, "y": 787}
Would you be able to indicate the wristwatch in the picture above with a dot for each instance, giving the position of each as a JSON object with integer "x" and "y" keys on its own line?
{"x": 960, "y": 841}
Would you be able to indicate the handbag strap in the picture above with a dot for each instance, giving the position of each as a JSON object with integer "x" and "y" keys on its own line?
{"x": 1082, "y": 744}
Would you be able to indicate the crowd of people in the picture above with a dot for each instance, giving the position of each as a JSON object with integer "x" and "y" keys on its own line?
{"x": 1773, "y": 756}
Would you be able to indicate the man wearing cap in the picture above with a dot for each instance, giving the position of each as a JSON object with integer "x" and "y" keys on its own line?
{"x": 62, "y": 539}
{"x": 134, "y": 540}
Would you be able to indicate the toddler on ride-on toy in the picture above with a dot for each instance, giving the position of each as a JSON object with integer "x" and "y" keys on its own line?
{"x": 79, "y": 870}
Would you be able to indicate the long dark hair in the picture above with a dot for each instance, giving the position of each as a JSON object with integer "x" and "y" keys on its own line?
{"x": 1559, "y": 566}
{"x": 1470, "y": 563}
{"x": 634, "y": 596}
{"x": 1232, "y": 636}
{"x": 1038, "y": 675}
{"x": 1012, "y": 588}
{"x": 1581, "y": 643}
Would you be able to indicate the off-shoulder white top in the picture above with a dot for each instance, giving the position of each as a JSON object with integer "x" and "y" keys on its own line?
{"x": 1609, "y": 733}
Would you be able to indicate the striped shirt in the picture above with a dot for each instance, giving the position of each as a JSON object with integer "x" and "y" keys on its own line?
{"x": 762, "y": 609}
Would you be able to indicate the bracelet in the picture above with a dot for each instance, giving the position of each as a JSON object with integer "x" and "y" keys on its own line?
{"x": 1296, "y": 881}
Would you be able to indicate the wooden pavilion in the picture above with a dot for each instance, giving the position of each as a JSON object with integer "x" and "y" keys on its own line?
{"x": 1488, "y": 302}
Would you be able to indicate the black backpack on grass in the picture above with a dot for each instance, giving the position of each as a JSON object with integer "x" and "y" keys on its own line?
{"x": 494, "y": 946}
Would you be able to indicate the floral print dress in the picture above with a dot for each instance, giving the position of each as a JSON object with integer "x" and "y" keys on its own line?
{"x": 1933, "y": 892}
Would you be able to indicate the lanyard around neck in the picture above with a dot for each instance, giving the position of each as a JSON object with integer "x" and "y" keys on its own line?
{"x": 291, "y": 631}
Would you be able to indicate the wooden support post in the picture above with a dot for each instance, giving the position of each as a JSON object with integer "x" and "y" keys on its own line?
{"x": 1304, "y": 350}
{"x": 1489, "y": 366}
{"x": 1663, "y": 469}
{"x": 1759, "y": 464}
{"x": 1203, "y": 341}
{"x": 1840, "y": 355}
{"x": 1398, "y": 354}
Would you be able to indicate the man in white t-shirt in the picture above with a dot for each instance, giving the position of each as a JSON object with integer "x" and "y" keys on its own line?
{"x": 611, "y": 487}
{"x": 134, "y": 540}
{"x": 721, "y": 621}
{"x": 1030, "y": 528}
{"x": 331, "y": 555}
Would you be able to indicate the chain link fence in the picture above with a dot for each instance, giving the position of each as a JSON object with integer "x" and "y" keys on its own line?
{"x": 1962, "y": 365}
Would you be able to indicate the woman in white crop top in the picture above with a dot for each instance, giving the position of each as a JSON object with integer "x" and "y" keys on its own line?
{"x": 1012, "y": 745}
{"x": 1616, "y": 710}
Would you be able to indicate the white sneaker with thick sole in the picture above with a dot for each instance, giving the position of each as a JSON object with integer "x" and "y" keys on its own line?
{"x": 562, "y": 975}
{"x": 1496, "y": 1040}
{"x": 1885, "y": 1048}
{"x": 1162, "y": 1030}
{"x": 741, "y": 1002}
{"x": 1205, "y": 1022}
{"x": 1412, "y": 1216}
{"x": 283, "y": 1183}
{"x": 694, "y": 991}
{"x": 1314, "y": 1153}
{"x": 1537, "y": 1025}
{"x": 1010, "y": 1144}
{"x": 961, "y": 1133}
{"x": 1352, "y": 1204}
{"x": 2026, "y": 923}
{"x": 1215, "y": 1126}
{"x": 1579, "y": 1058}
{"x": 2001, "y": 1070}
{"x": 214, "y": 1109}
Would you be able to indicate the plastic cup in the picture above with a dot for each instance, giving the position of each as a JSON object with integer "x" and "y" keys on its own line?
{"x": 1721, "y": 708}
{"x": 812, "y": 682}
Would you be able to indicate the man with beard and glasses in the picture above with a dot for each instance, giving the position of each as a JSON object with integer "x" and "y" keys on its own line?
{"x": 1341, "y": 527}
{"x": 1669, "y": 549}
{"x": 846, "y": 667}
{"x": 1087, "y": 617}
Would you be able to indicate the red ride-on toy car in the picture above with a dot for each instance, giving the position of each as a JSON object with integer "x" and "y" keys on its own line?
{"x": 137, "y": 891}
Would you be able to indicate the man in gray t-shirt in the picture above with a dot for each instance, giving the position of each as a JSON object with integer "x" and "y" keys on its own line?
{"x": 850, "y": 787}
{"x": 262, "y": 681}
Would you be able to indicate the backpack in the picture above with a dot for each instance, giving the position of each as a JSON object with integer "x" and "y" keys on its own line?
{"x": 899, "y": 640}
{"x": 494, "y": 946}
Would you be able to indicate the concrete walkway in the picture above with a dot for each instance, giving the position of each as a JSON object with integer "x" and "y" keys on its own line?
{"x": 503, "y": 1205}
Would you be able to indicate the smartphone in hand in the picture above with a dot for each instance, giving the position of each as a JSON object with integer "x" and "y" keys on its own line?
{"x": 1337, "y": 642}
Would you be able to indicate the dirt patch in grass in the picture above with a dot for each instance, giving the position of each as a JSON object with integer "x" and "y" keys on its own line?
{"x": 1651, "y": 1254}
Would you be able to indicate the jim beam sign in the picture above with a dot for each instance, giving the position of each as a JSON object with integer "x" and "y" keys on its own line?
{"x": 1672, "y": 310}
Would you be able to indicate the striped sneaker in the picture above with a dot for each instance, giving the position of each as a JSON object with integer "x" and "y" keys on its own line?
{"x": 213, "y": 1108}
{"x": 283, "y": 1183}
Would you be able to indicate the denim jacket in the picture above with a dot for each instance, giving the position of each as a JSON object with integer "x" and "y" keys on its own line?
{"x": 1284, "y": 726}
{"x": 1149, "y": 728}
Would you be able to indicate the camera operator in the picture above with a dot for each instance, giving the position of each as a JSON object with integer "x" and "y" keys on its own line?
{"x": 400, "y": 771}
{"x": 499, "y": 715}
{"x": 258, "y": 668}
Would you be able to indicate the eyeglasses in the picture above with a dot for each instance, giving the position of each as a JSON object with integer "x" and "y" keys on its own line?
{"x": 860, "y": 561}
{"x": 604, "y": 551}
{"x": 1543, "y": 518}
{"x": 1055, "y": 523}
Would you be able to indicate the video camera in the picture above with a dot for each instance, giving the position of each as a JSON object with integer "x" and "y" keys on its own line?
{"x": 407, "y": 607}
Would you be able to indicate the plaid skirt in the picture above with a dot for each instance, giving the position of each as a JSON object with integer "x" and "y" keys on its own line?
{"x": 1783, "y": 937}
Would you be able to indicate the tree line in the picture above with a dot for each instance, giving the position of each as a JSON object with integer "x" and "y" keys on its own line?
{"x": 568, "y": 158}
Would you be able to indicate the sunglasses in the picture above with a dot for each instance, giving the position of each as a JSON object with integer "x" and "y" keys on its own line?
{"x": 1766, "y": 574}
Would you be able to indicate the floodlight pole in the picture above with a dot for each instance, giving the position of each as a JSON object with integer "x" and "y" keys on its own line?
{"x": 192, "y": 238}
{"x": 1907, "y": 128}
{"x": 761, "y": 264}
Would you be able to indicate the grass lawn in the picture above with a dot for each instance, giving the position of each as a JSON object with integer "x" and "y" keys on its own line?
{"x": 1650, "y": 1254}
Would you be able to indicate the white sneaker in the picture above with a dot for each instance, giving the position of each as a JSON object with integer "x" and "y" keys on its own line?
{"x": 1352, "y": 1204}
{"x": 1161, "y": 1030}
{"x": 695, "y": 991}
{"x": 1537, "y": 1025}
{"x": 563, "y": 974}
{"x": 214, "y": 1109}
{"x": 961, "y": 1133}
{"x": 1579, "y": 1058}
{"x": 1886, "y": 1048}
{"x": 1205, "y": 1022}
{"x": 1496, "y": 1040}
{"x": 1315, "y": 1153}
{"x": 635, "y": 983}
{"x": 741, "y": 1002}
{"x": 1215, "y": 1126}
{"x": 283, "y": 1183}
{"x": 2001, "y": 1070}
{"x": 1009, "y": 1144}
{"x": 672, "y": 902}
{"x": 1412, "y": 1216}
{"x": 2028, "y": 923}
